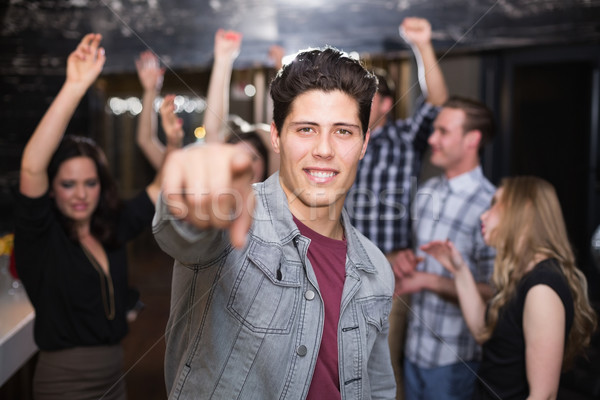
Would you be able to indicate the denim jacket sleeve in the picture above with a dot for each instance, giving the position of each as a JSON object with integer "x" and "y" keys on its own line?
{"x": 383, "y": 385}
{"x": 182, "y": 241}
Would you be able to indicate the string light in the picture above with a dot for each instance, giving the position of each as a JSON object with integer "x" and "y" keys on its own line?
{"x": 133, "y": 105}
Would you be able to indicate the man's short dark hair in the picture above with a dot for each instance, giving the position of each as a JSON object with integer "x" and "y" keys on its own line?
{"x": 477, "y": 117}
{"x": 325, "y": 69}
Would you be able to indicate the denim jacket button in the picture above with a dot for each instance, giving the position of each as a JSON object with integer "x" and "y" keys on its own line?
{"x": 309, "y": 295}
{"x": 301, "y": 350}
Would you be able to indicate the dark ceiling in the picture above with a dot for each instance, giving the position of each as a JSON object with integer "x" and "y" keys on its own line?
{"x": 36, "y": 36}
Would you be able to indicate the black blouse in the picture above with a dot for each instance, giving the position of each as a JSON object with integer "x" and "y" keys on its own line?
{"x": 502, "y": 374}
{"x": 62, "y": 284}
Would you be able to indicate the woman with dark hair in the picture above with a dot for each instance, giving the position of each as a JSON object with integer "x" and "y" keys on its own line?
{"x": 254, "y": 144}
{"x": 250, "y": 137}
{"x": 540, "y": 317}
{"x": 71, "y": 231}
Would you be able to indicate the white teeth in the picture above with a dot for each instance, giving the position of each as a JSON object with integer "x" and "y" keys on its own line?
{"x": 320, "y": 174}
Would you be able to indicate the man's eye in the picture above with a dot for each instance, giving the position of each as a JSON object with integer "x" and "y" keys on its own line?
{"x": 344, "y": 132}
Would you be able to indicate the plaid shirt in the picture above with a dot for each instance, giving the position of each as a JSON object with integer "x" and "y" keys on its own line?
{"x": 379, "y": 202}
{"x": 448, "y": 209}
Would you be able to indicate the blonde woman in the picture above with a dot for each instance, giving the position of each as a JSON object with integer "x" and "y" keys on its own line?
{"x": 540, "y": 318}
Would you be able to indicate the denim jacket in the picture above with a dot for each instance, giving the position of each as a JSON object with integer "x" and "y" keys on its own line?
{"x": 247, "y": 323}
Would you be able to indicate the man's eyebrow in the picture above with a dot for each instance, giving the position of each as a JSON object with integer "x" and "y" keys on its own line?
{"x": 347, "y": 124}
{"x": 294, "y": 123}
{"x": 312, "y": 123}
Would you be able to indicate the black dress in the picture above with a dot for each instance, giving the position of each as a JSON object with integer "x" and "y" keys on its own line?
{"x": 502, "y": 373}
{"x": 80, "y": 318}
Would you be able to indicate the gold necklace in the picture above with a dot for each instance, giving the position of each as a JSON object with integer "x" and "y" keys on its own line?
{"x": 108, "y": 301}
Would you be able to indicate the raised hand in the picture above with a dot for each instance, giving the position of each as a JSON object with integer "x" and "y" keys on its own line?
{"x": 171, "y": 124}
{"x": 149, "y": 72}
{"x": 227, "y": 44}
{"x": 446, "y": 253}
{"x": 85, "y": 63}
{"x": 210, "y": 186}
{"x": 276, "y": 54}
{"x": 415, "y": 31}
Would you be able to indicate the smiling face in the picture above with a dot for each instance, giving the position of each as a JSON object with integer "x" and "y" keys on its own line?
{"x": 320, "y": 145}
{"x": 491, "y": 219}
{"x": 453, "y": 149}
{"x": 76, "y": 189}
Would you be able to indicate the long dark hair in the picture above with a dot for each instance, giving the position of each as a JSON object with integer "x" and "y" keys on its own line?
{"x": 253, "y": 139}
{"x": 104, "y": 218}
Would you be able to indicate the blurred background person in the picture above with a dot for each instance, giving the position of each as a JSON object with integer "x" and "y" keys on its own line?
{"x": 71, "y": 231}
{"x": 540, "y": 317}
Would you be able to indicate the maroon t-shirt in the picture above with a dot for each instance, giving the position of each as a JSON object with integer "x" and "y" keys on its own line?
{"x": 328, "y": 259}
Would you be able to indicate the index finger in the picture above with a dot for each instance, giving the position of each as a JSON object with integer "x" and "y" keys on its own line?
{"x": 172, "y": 186}
{"x": 241, "y": 167}
{"x": 241, "y": 226}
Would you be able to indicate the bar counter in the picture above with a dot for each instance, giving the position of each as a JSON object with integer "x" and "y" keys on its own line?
{"x": 16, "y": 330}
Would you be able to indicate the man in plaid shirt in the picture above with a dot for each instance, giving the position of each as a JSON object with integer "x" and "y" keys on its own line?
{"x": 441, "y": 357}
{"x": 379, "y": 202}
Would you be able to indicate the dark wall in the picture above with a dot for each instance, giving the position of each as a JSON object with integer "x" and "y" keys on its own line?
{"x": 39, "y": 34}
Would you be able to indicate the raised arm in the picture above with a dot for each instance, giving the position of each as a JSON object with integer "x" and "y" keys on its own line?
{"x": 171, "y": 124}
{"x": 83, "y": 67}
{"x": 151, "y": 77}
{"x": 417, "y": 33}
{"x": 276, "y": 54}
{"x": 466, "y": 289}
{"x": 227, "y": 48}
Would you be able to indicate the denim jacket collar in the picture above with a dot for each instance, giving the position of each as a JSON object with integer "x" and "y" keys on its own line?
{"x": 276, "y": 209}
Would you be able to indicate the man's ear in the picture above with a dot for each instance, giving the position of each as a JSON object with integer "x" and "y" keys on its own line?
{"x": 387, "y": 103}
{"x": 473, "y": 138}
{"x": 274, "y": 138}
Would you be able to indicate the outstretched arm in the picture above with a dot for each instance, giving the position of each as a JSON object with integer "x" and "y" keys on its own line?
{"x": 151, "y": 78}
{"x": 417, "y": 33}
{"x": 227, "y": 48}
{"x": 469, "y": 296}
{"x": 83, "y": 67}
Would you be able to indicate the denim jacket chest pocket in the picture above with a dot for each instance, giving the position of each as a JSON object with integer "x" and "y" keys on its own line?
{"x": 375, "y": 310}
{"x": 266, "y": 294}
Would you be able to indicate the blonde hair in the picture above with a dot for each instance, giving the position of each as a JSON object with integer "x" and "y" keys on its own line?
{"x": 532, "y": 224}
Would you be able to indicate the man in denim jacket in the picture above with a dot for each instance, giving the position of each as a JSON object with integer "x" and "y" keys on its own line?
{"x": 275, "y": 295}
